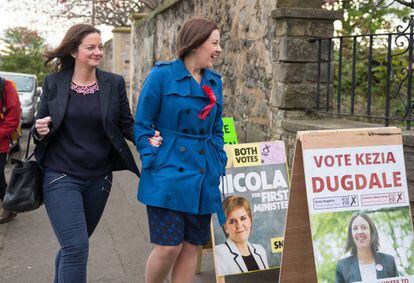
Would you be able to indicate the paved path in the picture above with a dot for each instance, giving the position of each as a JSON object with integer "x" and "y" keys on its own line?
{"x": 118, "y": 250}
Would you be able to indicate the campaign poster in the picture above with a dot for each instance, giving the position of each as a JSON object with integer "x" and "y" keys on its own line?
{"x": 359, "y": 210}
{"x": 229, "y": 131}
{"x": 255, "y": 195}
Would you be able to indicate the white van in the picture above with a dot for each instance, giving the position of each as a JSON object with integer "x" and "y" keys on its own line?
{"x": 28, "y": 93}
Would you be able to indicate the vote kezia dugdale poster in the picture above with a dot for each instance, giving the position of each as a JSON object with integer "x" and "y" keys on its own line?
{"x": 358, "y": 205}
{"x": 256, "y": 192}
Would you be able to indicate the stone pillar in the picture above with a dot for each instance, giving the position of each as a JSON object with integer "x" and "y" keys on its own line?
{"x": 121, "y": 45}
{"x": 106, "y": 62}
{"x": 294, "y": 58}
{"x": 136, "y": 53}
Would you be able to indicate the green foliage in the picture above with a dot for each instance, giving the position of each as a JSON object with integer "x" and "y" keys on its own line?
{"x": 371, "y": 17}
{"x": 397, "y": 79}
{"x": 23, "y": 52}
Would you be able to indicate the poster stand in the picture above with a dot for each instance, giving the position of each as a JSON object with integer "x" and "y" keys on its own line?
{"x": 297, "y": 249}
{"x": 256, "y": 189}
{"x": 298, "y": 259}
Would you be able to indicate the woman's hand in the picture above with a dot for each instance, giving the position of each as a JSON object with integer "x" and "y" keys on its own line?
{"x": 42, "y": 126}
{"x": 155, "y": 140}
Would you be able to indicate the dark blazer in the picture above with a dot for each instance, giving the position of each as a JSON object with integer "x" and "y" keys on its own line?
{"x": 116, "y": 114}
{"x": 347, "y": 269}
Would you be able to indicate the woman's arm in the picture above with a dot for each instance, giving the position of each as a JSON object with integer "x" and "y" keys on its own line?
{"x": 218, "y": 134}
{"x": 339, "y": 278}
{"x": 394, "y": 268}
{"x": 146, "y": 113}
{"x": 125, "y": 122}
{"x": 43, "y": 110}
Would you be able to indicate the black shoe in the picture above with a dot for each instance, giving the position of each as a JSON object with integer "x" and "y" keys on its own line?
{"x": 7, "y": 216}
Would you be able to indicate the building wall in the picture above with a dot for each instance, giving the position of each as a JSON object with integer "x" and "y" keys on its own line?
{"x": 107, "y": 63}
{"x": 246, "y": 36}
{"x": 117, "y": 55}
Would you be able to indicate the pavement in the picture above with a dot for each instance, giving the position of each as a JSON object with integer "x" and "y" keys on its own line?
{"x": 118, "y": 248}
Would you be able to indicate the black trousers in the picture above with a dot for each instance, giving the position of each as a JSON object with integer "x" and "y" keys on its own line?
{"x": 3, "y": 184}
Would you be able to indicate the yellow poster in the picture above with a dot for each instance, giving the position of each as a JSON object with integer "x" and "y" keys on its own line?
{"x": 246, "y": 154}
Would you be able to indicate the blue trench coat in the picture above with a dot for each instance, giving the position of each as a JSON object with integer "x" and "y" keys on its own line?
{"x": 183, "y": 173}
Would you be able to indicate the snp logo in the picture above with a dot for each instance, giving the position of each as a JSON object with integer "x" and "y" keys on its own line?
{"x": 277, "y": 245}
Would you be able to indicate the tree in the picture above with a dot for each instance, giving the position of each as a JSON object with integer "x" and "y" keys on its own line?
{"x": 362, "y": 17}
{"x": 368, "y": 16}
{"x": 23, "y": 52}
{"x": 110, "y": 12}
{"x": 406, "y": 3}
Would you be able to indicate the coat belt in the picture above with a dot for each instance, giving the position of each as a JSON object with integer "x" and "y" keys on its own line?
{"x": 184, "y": 135}
{"x": 217, "y": 206}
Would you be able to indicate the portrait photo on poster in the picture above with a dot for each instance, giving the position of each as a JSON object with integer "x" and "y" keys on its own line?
{"x": 363, "y": 246}
{"x": 255, "y": 191}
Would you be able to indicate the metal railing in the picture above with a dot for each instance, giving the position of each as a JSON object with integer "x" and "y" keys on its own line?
{"x": 367, "y": 76}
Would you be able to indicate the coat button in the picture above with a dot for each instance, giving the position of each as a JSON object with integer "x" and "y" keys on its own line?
{"x": 120, "y": 150}
{"x": 111, "y": 137}
{"x": 202, "y": 132}
{"x": 182, "y": 149}
{"x": 181, "y": 169}
{"x": 201, "y": 151}
{"x": 201, "y": 170}
{"x": 188, "y": 111}
{"x": 185, "y": 131}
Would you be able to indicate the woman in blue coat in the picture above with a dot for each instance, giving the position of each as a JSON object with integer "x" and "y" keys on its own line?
{"x": 181, "y": 103}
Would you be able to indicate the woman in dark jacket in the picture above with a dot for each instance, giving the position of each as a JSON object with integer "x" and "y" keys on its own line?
{"x": 81, "y": 127}
{"x": 365, "y": 263}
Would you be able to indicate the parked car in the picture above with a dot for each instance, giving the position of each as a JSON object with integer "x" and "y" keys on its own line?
{"x": 28, "y": 93}
{"x": 39, "y": 94}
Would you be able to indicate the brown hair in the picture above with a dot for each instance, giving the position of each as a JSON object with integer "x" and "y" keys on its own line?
{"x": 193, "y": 34}
{"x": 60, "y": 58}
{"x": 232, "y": 202}
{"x": 350, "y": 245}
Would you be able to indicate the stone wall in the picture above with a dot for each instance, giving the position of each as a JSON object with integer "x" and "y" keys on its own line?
{"x": 268, "y": 62}
{"x": 107, "y": 63}
{"x": 295, "y": 57}
{"x": 247, "y": 30}
{"x": 122, "y": 54}
{"x": 117, "y": 54}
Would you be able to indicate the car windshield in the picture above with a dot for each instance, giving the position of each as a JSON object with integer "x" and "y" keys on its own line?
{"x": 23, "y": 83}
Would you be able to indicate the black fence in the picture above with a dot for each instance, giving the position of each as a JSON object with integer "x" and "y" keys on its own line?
{"x": 367, "y": 76}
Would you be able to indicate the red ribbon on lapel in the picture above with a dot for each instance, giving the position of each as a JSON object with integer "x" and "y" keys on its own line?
{"x": 210, "y": 94}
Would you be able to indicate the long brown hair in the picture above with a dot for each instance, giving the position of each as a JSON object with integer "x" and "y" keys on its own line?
{"x": 60, "y": 58}
{"x": 350, "y": 245}
{"x": 193, "y": 34}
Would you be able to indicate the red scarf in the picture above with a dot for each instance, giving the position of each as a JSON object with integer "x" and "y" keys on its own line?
{"x": 210, "y": 94}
